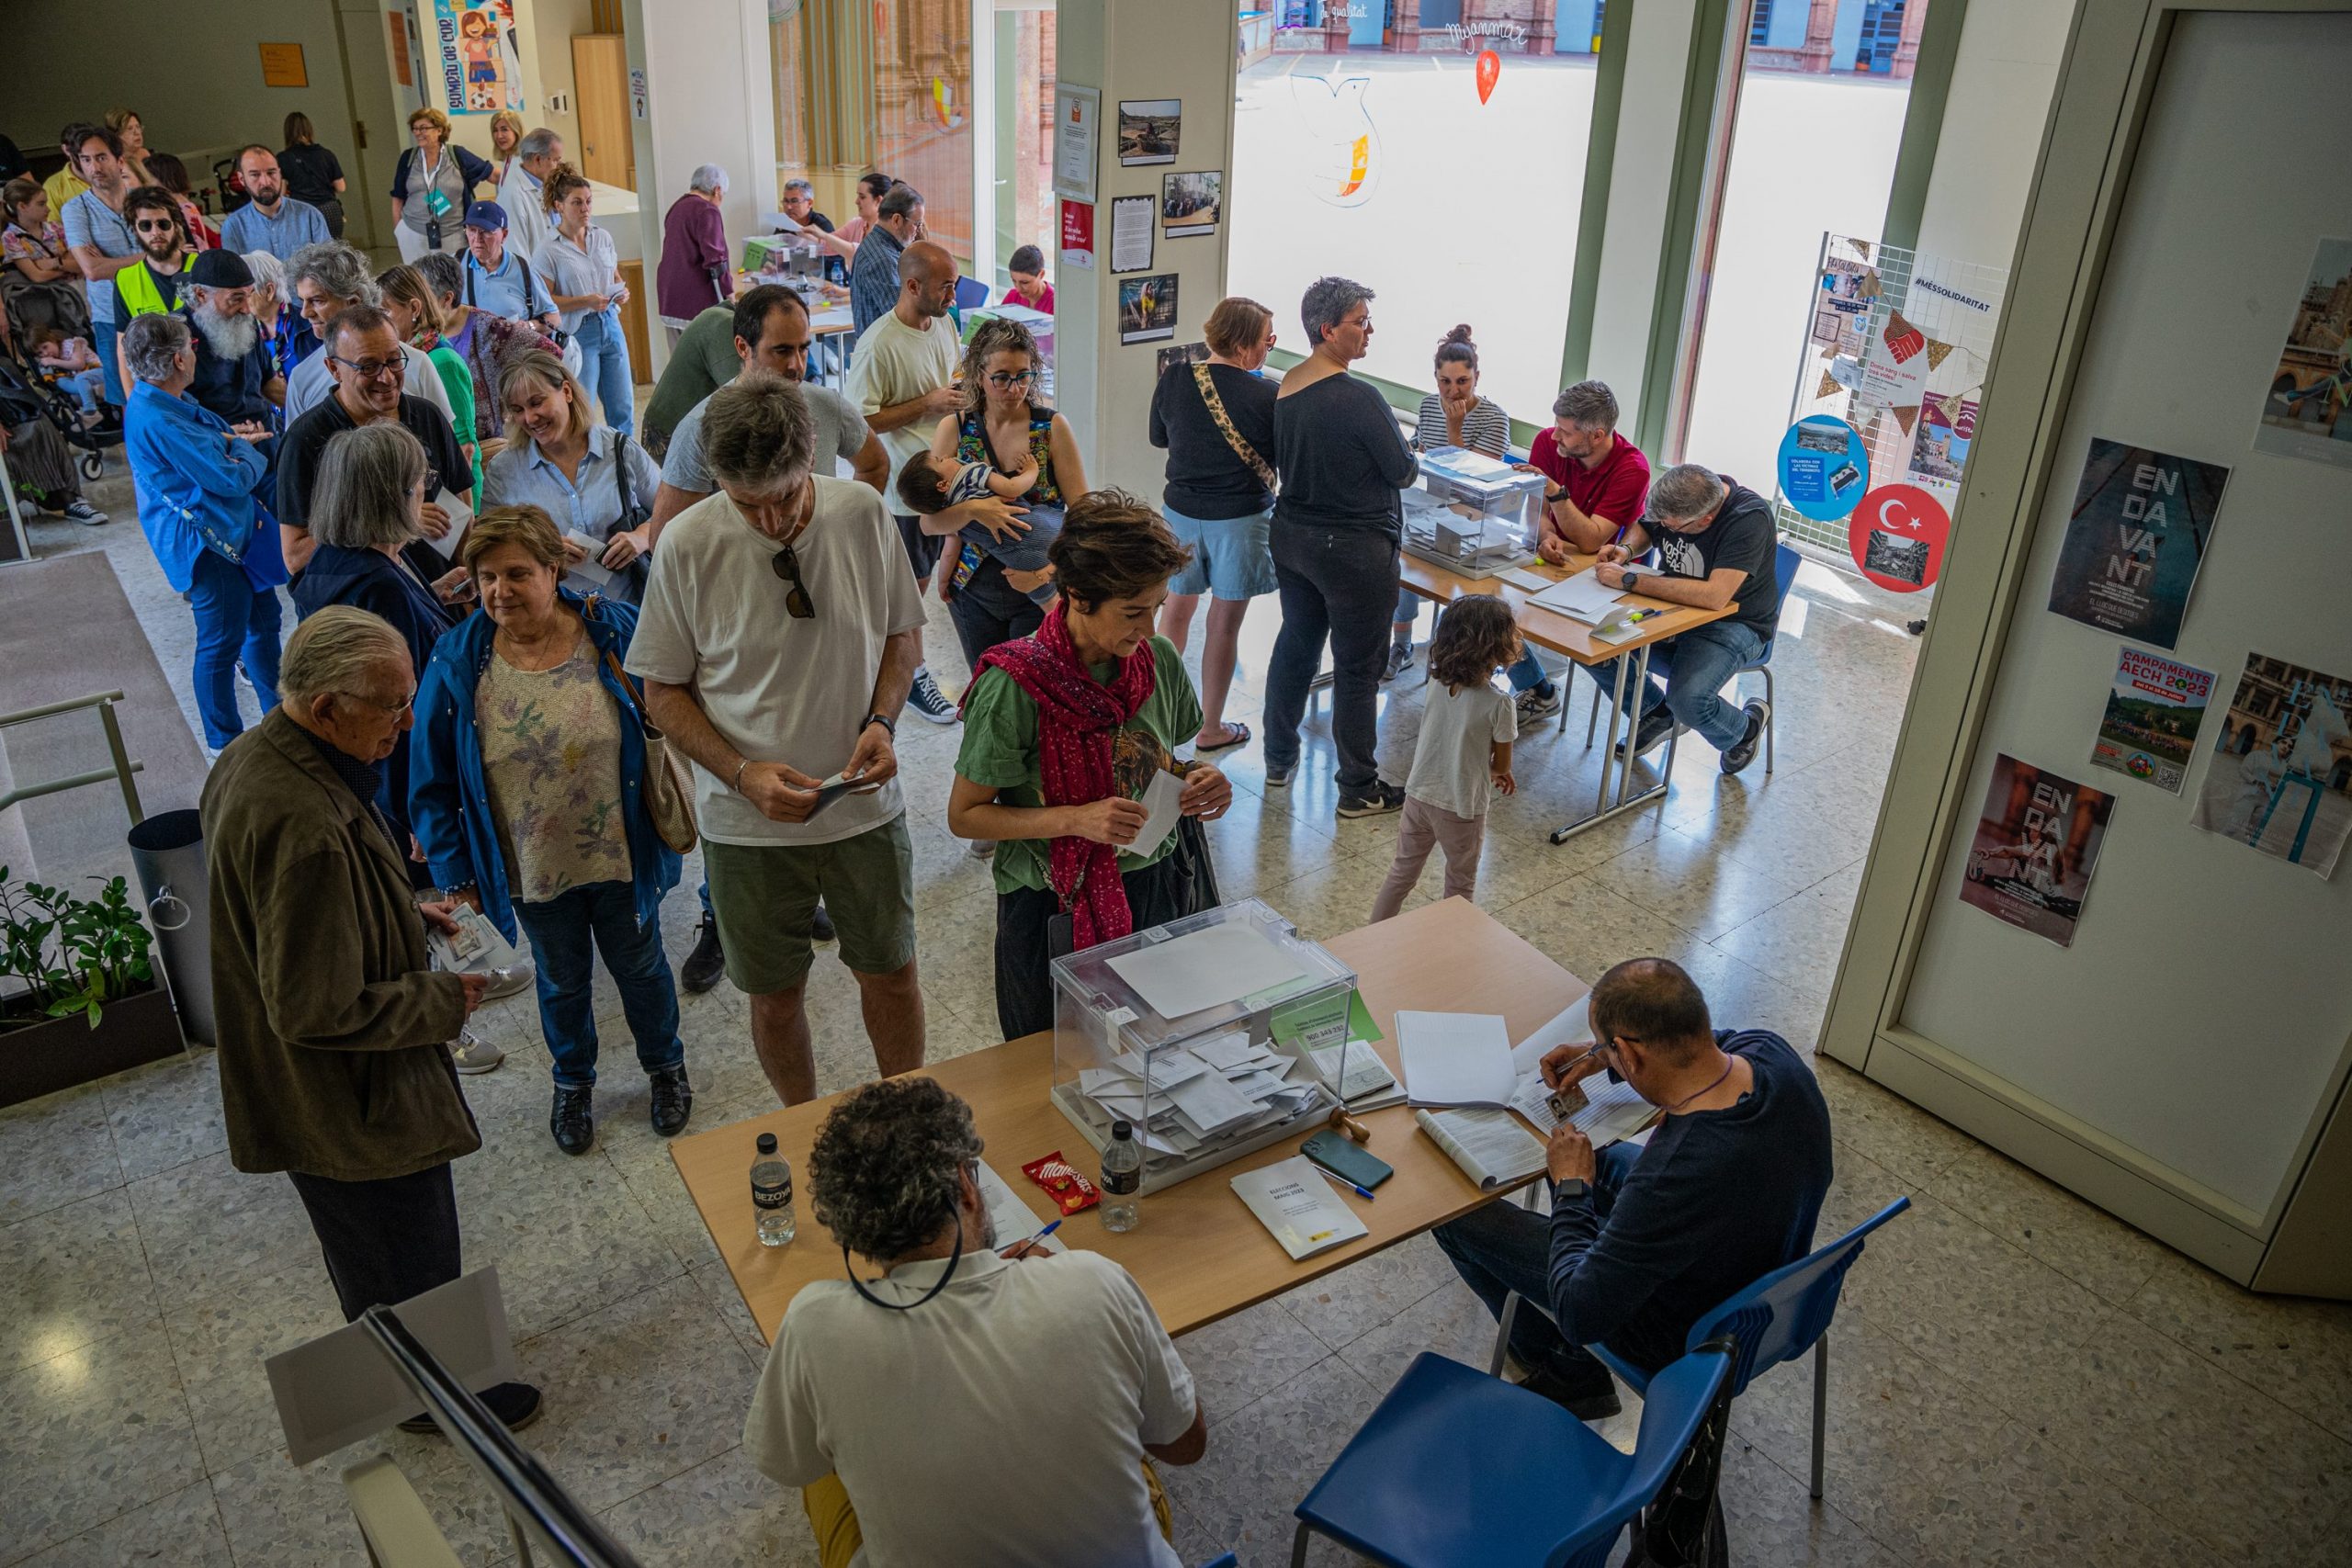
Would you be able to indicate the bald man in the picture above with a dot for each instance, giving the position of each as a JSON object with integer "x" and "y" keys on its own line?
{"x": 902, "y": 380}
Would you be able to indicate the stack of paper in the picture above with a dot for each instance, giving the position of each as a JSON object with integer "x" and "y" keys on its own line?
{"x": 1580, "y": 597}
{"x": 1204, "y": 969}
{"x": 1455, "y": 1058}
{"x": 1354, "y": 1072}
{"x": 1200, "y": 1097}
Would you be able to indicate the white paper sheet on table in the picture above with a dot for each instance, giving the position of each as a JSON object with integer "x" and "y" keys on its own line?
{"x": 1580, "y": 597}
{"x": 1204, "y": 969}
{"x": 1455, "y": 1058}
{"x": 1014, "y": 1218}
{"x": 1161, "y": 803}
{"x": 1534, "y": 582}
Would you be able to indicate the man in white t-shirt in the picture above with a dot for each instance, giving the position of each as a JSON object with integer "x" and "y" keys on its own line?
{"x": 902, "y": 380}
{"x": 985, "y": 1409}
{"x": 777, "y": 638}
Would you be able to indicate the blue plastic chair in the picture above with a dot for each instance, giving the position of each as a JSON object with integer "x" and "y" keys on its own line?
{"x": 1456, "y": 1468}
{"x": 1776, "y": 1319}
{"x": 1785, "y": 562}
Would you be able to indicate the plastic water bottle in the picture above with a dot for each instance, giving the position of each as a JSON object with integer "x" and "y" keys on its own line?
{"x": 771, "y": 1194}
{"x": 1121, "y": 1176}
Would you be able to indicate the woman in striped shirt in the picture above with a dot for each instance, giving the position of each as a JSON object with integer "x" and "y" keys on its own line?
{"x": 1454, "y": 415}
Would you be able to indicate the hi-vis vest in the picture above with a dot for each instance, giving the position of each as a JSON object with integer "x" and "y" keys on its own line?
{"x": 139, "y": 290}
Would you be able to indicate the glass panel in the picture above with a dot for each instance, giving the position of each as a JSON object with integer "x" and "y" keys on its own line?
{"x": 880, "y": 85}
{"x": 1821, "y": 100}
{"x": 1024, "y": 113}
{"x": 1361, "y": 145}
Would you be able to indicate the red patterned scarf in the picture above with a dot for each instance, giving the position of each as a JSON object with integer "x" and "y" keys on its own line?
{"x": 1077, "y": 719}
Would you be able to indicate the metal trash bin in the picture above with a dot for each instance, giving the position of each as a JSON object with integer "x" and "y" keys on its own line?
{"x": 167, "y": 851}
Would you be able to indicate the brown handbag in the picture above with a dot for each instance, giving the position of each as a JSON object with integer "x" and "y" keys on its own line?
{"x": 669, "y": 797}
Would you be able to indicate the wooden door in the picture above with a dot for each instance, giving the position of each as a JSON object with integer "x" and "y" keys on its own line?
{"x": 600, "y": 79}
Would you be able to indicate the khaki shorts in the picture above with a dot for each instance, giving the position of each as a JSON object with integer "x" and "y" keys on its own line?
{"x": 764, "y": 897}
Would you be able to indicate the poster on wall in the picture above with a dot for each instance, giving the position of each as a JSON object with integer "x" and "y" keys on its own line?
{"x": 2037, "y": 844}
{"x": 1940, "y": 456}
{"x": 1824, "y": 466}
{"x": 1077, "y": 125}
{"x": 1150, "y": 129}
{"x": 1897, "y": 535}
{"x": 2304, "y": 414}
{"x": 2280, "y": 779}
{"x": 1078, "y": 234}
{"x": 2154, "y": 710}
{"x": 1843, "y": 305}
{"x": 1191, "y": 204}
{"x": 1148, "y": 308}
{"x": 1130, "y": 234}
{"x": 1894, "y": 371}
{"x": 2142, "y": 523}
{"x": 481, "y": 65}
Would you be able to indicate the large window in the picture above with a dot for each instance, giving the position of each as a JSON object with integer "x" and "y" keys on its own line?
{"x": 880, "y": 85}
{"x": 1361, "y": 147}
{"x": 1821, "y": 100}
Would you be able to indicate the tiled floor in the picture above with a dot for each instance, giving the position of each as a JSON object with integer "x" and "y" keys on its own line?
{"x": 2017, "y": 1377}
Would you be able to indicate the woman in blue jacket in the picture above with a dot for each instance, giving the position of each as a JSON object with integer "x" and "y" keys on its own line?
{"x": 527, "y": 792}
{"x": 195, "y": 480}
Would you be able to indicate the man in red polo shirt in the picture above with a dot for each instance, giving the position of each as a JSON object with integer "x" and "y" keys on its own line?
{"x": 1599, "y": 480}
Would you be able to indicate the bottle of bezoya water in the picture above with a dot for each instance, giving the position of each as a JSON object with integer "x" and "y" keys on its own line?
{"x": 1121, "y": 1176}
{"x": 771, "y": 1194}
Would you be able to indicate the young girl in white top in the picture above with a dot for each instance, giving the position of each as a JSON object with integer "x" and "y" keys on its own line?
{"x": 1463, "y": 754}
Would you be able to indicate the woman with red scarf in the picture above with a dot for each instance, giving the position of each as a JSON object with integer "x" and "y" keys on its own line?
{"x": 1063, "y": 730}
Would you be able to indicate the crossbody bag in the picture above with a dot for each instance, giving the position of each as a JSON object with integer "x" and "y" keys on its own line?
{"x": 1223, "y": 421}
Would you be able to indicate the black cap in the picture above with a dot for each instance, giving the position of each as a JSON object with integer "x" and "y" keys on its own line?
{"x": 1122, "y": 1130}
{"x": 220, "y": 269}
{"x": 767, "y": 1143}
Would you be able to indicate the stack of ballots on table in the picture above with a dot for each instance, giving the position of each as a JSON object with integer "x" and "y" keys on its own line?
{"x": 1187, "y": 1099}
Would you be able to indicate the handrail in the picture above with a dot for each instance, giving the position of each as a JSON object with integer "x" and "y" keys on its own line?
{"x": 534, "y": 1501}
{"x": 123, "y": 765}
{"x": 48, "y": 709}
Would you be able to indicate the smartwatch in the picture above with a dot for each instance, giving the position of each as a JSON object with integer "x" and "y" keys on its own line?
{"x": 1573, "y": 1187}
{"x": 1633, "y": 574}
{"x": 886, "y": 724}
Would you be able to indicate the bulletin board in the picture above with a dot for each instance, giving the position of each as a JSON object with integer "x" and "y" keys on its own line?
{"x": 2194, "y": 1037}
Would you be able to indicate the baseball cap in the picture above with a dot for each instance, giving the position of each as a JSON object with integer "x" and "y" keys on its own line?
{"x": 485, "y": 215}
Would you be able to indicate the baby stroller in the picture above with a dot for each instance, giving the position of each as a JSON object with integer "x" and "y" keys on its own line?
{"x": 26, "y": 393}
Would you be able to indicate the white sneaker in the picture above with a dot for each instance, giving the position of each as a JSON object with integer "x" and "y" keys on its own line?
{"x": 472, "y": 1054}
{"x": 505, "y": 983}
{"x": 980, "y": 848}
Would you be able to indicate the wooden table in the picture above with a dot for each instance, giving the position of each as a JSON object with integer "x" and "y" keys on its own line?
{"x": 1549, "y": 628}
{"x": 1199, "y": 1253}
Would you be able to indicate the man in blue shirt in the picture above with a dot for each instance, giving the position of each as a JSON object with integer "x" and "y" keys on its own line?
{"x": 499, "y": 277}
{"x": 874, "y": 274}
{"x": 1642, "y": 1242}
{"x": 271, "y": 221}
{"x": 100, "y": 236}
{"x": 195, "y": 480}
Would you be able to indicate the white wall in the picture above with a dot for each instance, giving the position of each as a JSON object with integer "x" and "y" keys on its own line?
{"x": 1994, "y": 115}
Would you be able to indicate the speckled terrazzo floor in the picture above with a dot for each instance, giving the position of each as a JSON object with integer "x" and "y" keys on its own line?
{"x": 2017, "y": 1378}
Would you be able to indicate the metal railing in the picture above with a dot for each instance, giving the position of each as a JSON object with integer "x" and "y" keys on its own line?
{"x": 121, "y": 772}
{"x": 538, "y": 1509}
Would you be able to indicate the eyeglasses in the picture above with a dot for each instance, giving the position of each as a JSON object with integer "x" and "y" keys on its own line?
{"x": 368, "y": 369}
{"x": 1010, "y": 378}
{"x": 796, "y": 603}
{"x": 397, "y": 708}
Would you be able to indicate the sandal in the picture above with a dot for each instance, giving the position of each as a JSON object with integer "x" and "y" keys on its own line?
{"x": 1237, "y": 735}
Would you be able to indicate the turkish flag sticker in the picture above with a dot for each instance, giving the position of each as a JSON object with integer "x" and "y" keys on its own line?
{"x": 1897, "y": 535}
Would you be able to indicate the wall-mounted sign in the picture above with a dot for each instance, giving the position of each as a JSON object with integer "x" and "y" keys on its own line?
{"x": 1078, "y": 234}
{"x": 282, "y": 64}
{"x": 1824, "y": 466}
{"x": 1078, "y": 129}
{"x": 1897, "y": 534}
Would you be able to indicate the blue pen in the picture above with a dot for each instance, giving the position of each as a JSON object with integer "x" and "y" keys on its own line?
{"x": 1043, "y": 1234}
{"x": 1364, "y": 1192}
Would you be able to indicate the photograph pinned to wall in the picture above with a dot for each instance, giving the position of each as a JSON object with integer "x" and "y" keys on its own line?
{"x": 480, "y": 62}
{"x": 2142, "y": 523}
{"x": 2154, "y": 710}
{"x": 1894, "y": 369}
{"x": 1940, "y": 453}
{"x": 1148, "y": 308}
{"x": 2305, "y": 413}
{"x": 1130, "y": 234}
{"x": 1843, "y": 304}
{"x": 1150, "y": 129}
{"x": 2036, "y": 848}
{"x": 1897, "y": 535}
{"x": 2280, "y": 780}
{"x": 1824, "y": 466}
{"x": 1192, "y": 205}
{"x": 1168, "y": 358}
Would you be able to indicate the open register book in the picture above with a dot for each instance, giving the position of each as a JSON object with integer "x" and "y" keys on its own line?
{"x": 1492, "y": 1149}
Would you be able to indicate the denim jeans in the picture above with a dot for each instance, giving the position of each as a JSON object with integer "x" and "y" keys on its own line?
{"x": 1502, "y": 1249}
{"x": 1339, "y": 584}
{"x": 102, "y": 336}
{"x": 987, "y": 611}
{"x": 603, "y": 367}
{"x": 234, "y": 620}
{"x": 1696, "y": 665}
{"x": 1528, "y": 673}
{"x": 560, "y": 930}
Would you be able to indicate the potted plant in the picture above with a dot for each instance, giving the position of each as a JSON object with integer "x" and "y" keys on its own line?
{"x": 78, "y": 994}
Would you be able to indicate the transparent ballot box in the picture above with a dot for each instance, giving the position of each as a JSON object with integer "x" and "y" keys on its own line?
{"x": 1472, "y": 513}
{"x": 1199, "y": 1033}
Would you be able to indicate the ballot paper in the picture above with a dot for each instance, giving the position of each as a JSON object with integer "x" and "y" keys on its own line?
{"x": 593, "y": 569}
{"x": 461, "y": 517}
{"x": 1580, "y": 597}
{"x": 1455, "y": 1058}
{"x": 1160, "y": 803}
{"x": 1203, "y": 1096}
{"x": 1366, "y": 1084}
{"x": 1534, "y": 582}
{"x": 1204, "y": 969}
{"x": 1301, "y": 1210}
{"x": 1011, "y": 1215}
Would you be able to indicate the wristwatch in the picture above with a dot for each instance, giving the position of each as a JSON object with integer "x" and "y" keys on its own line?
{"x": 1551, "y": 497}
{"x": 885, "y": 723}
{"x": 1573, "y": 1187}
{"x": 1632, "y": 574}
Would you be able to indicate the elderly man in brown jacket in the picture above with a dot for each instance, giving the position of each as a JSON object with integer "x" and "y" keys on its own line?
{"x": 333, "y": 1066}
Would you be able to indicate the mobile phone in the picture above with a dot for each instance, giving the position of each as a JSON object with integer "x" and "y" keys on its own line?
{"x": 1347, "y": 1160}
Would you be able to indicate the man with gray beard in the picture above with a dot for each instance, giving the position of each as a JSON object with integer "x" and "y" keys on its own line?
{"x": 234, "y": 376}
